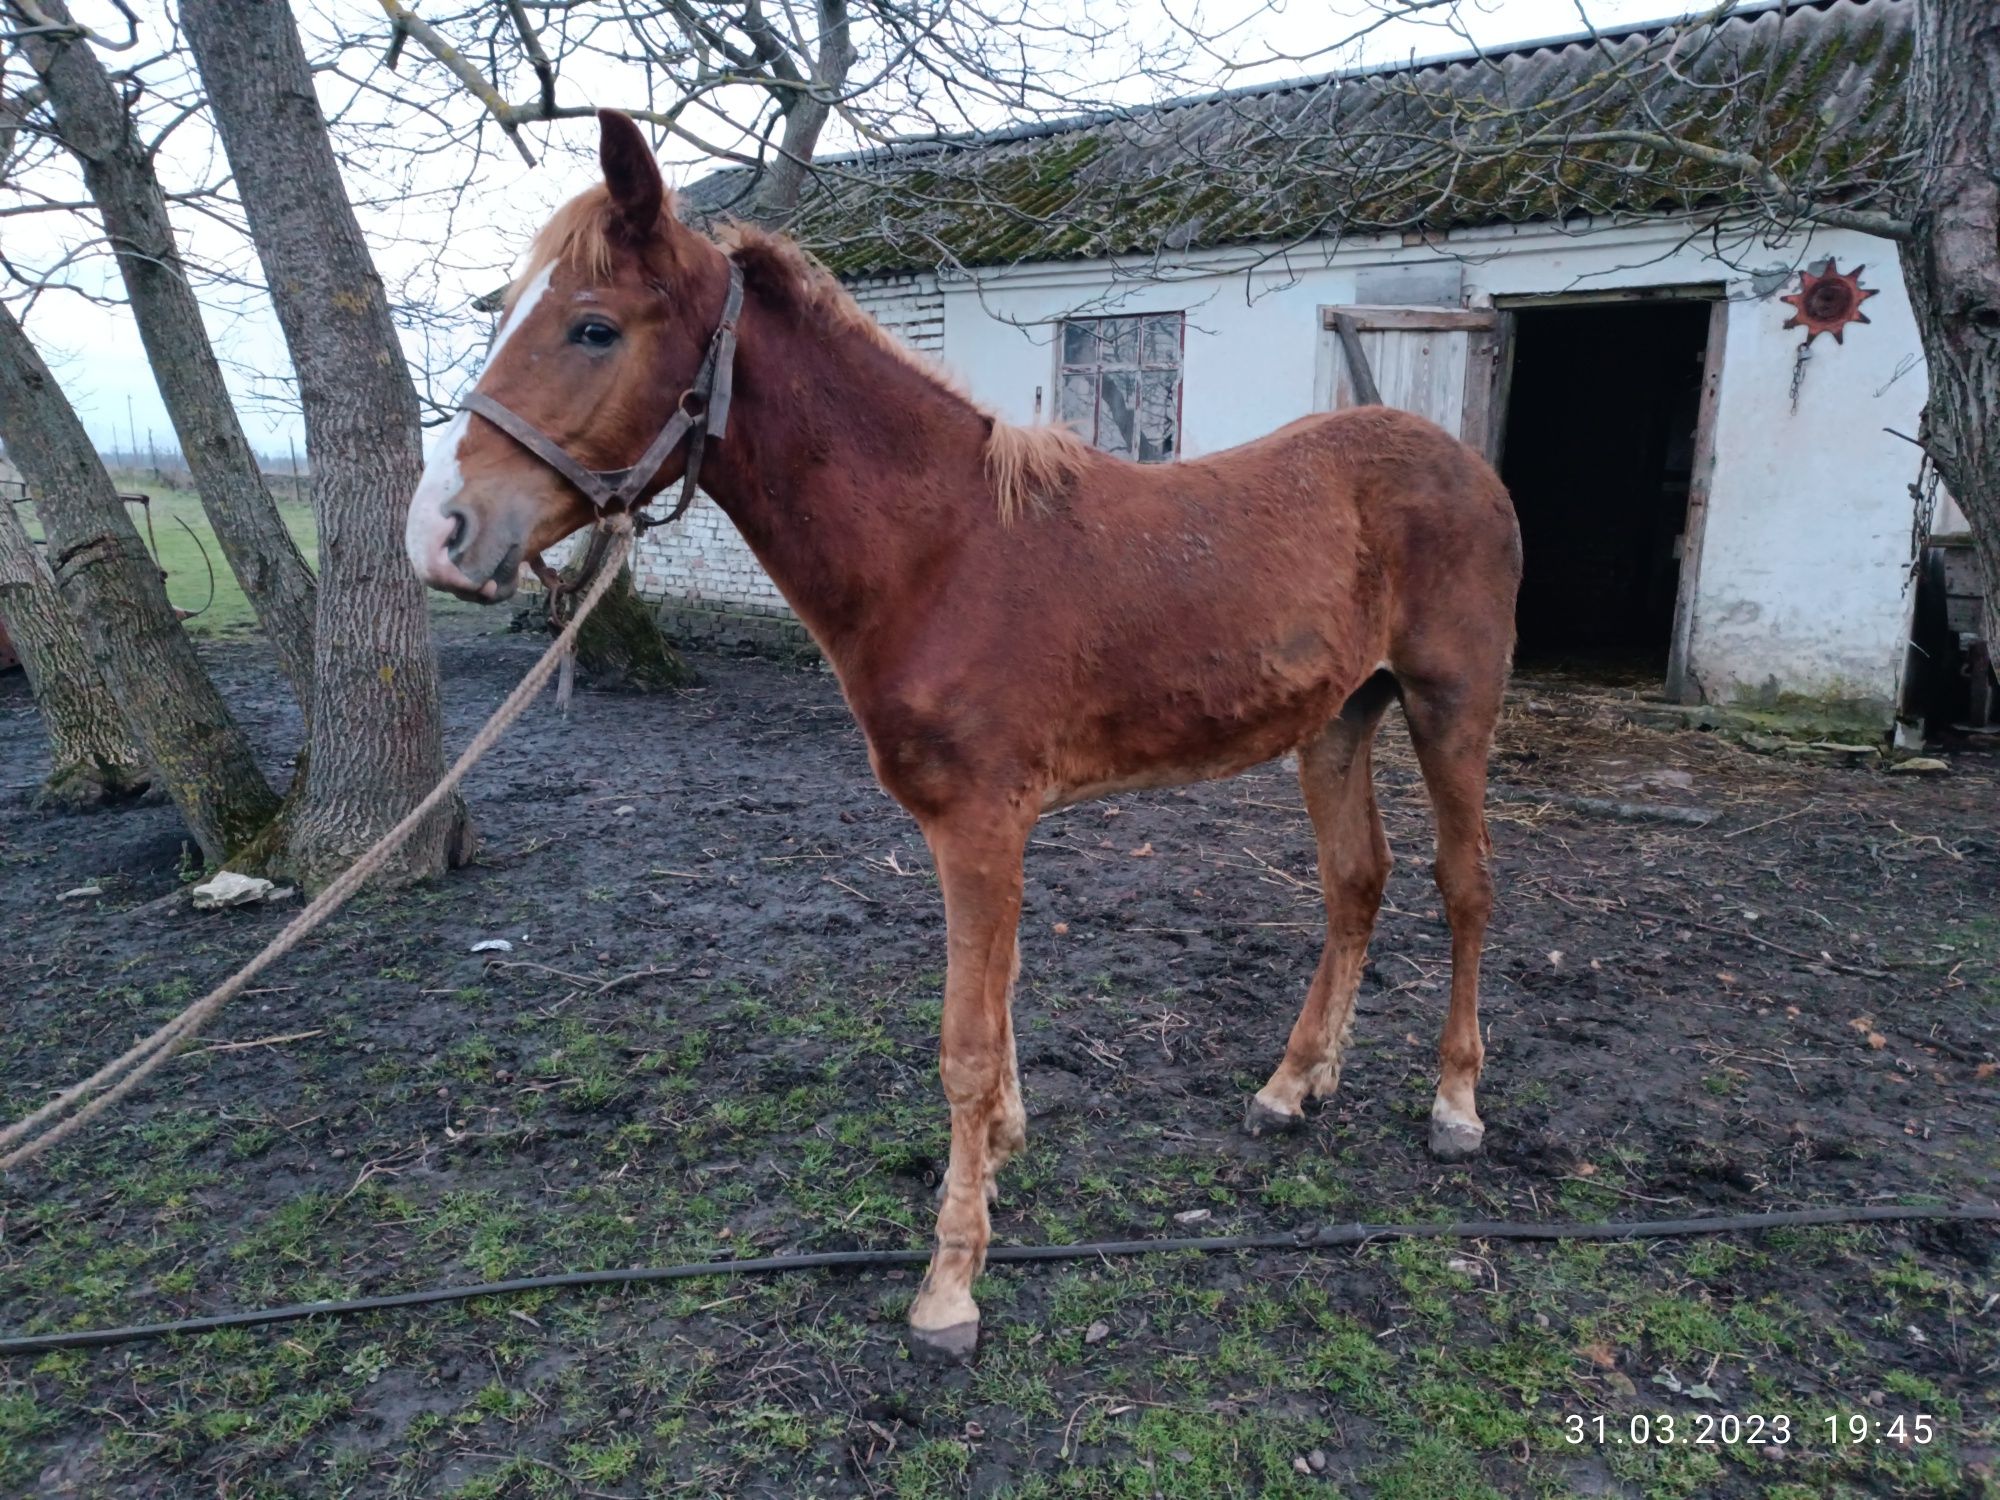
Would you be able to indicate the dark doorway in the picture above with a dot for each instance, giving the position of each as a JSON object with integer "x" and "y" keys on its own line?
{"x": 1599, "y": 454}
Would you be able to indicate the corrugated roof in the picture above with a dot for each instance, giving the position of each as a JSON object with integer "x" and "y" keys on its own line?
{"x": 1815, "y": 89}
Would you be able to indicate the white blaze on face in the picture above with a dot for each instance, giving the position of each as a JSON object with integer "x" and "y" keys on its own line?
{"x": 427, "y": 529}
{"x": 523, "y": 306}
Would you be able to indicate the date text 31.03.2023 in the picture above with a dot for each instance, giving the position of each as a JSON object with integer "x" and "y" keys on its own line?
{"x": 1756, "y": 1430}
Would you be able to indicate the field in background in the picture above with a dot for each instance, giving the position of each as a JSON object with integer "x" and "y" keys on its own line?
{"x": 184, "y": 544}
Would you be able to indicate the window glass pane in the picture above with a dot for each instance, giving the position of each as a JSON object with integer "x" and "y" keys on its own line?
{"x": 1118, "y": 342}
{"x": 1076, "y": 401}
{"x": 1159, "y": 417}
{"x": 1163, "y": 341}
{"x": 1079, "y": 343}
{"x": 1116, "y": 426}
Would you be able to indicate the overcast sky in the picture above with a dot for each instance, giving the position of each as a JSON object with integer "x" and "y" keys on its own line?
{"x": 96, "y": 352}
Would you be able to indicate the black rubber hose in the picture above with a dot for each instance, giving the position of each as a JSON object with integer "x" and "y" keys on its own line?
{"x": 1327, "y": 1237}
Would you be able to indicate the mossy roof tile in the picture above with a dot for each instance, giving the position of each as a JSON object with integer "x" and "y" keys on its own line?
{"x": 1815, "y": 88}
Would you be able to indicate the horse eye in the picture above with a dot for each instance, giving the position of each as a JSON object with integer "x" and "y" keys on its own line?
{"x": 594, "y": 334}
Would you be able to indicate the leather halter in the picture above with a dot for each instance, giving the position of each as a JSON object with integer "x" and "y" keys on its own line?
{"x": 701, "y": 413}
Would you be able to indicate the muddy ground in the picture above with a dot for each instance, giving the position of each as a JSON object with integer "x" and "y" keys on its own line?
{"x": 715, "y": 1036}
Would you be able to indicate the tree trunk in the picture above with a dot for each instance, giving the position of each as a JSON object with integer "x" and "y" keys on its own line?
{"x": 377, "y": 734}
{"x": 621, "y": 647}
{"x": 1952, "y": 261}
{"x": 778, "y": 196}
{"x": 806, "y": 114}
{"x": 115, "y": 594}
{"x": 92, "y": 758}
{"x": 117, "y": 168}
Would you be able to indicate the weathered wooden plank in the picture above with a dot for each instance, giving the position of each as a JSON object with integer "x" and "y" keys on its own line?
{"x": 1416, "y": 319}
{"x": 1681, "y": 684}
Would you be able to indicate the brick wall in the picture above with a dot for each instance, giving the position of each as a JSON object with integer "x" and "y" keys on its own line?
{"x": 700, "y": 563}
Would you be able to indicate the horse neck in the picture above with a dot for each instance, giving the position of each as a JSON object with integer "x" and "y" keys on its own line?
{"x": 849, "y": 471}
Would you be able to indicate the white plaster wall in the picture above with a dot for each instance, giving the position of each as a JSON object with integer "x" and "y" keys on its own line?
{"x": 1801, "y": 574}
{"x": 1803, "y": 568}
{"x": 700, "y": 559}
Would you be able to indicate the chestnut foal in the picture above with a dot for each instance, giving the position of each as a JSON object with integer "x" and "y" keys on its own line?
{"x": 1018, "y": 622}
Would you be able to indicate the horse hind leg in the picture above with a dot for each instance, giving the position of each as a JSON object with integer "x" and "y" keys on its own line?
{"x": 1336, "y": 773}
{"x": 1451, "y": 725}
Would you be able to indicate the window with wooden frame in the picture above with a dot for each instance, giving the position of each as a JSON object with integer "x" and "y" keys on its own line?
{"x": 1119, "y": 385}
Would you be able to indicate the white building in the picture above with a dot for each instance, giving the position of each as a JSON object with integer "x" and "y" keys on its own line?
{"x": 1700, "y": 490}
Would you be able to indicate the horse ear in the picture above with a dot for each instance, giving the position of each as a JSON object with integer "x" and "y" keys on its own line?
{"x": 630, "y": 171}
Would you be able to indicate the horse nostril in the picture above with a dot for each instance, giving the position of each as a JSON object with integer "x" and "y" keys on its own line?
{"x": 454, "y": 542}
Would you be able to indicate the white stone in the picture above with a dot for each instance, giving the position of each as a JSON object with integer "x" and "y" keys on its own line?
{"x": 231, "y": 889}
{"x": 1920, "y": 765}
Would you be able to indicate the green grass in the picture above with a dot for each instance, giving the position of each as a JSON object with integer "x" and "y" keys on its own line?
{"x": 1411, "y": 1371}
{"x": 182, "y": 540}
{"x": 177, "y": 513}
{"x": 1974, "y": 944}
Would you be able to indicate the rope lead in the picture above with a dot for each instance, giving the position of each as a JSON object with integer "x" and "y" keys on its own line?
{"x": 90, "y": 1097}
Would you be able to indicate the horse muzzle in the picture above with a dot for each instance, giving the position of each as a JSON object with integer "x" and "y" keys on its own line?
{"x": 456, "y": 550}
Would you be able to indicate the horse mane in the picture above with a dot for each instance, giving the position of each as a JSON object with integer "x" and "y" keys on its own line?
{"x": 1025, "y": 465}
{"x": 785, "y": 268}
{"x": 1031, "y": 465}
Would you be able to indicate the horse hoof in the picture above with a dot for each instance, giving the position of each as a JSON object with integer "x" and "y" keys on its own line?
{"x": 953, "y": 1344}
{"x": 1261, "y": 1119}
{"x": 1453, "y": 1140}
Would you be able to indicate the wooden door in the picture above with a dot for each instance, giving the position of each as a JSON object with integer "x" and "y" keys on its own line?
{"x": 1683, "y": 685}
{"x": 1445, "y": 363}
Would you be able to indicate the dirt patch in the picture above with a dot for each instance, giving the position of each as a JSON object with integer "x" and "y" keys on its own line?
{"x": 715, "y": 1034}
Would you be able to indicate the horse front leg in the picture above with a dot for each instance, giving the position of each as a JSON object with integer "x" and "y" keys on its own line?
{"x": 979, "y": 867}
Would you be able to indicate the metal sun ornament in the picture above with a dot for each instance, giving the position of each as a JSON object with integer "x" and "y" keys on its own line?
{"x": 1827, "y": 301}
